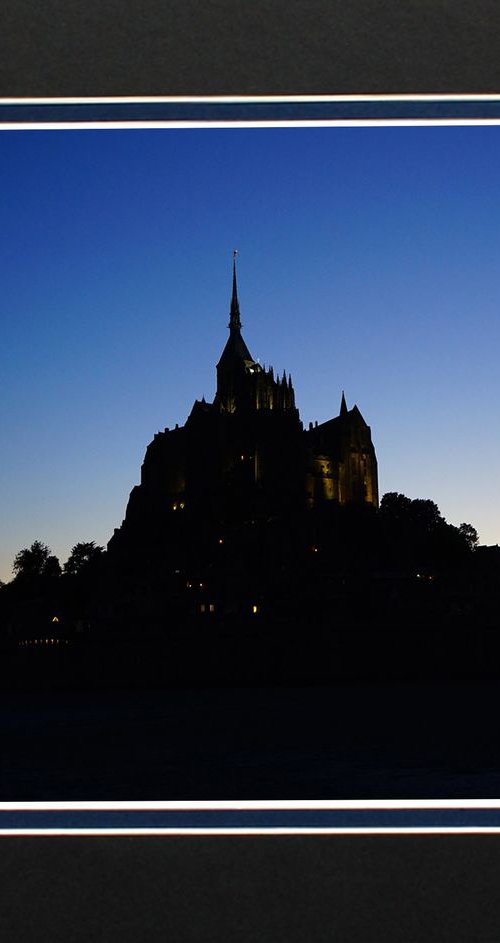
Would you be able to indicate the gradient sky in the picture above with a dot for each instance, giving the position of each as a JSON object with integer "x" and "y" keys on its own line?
{"x": 368, "y": 262}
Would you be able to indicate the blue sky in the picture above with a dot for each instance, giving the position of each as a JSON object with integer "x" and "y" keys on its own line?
{"x": 368, "y": 262}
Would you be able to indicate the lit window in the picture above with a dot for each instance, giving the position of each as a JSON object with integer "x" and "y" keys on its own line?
{"x": 55, "y": 619}
{"x": 202, "y": 607}
{"x": 181, "y": 505}
{"x": 255, "y": 609}
{"x": 211, "y": 607}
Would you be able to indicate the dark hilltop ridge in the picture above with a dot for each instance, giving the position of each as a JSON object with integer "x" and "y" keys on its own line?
{"x": 255, "y": 551}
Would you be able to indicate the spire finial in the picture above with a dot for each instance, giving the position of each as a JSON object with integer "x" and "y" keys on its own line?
{"x": 234, "y": 317}
{"x": 343, "y": 405}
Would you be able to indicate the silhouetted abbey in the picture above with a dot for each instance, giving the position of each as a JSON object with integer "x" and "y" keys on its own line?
{"x": 246, "y": 456}
{"x": 254, "y": 551}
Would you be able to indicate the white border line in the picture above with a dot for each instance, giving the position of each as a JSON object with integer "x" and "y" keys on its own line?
{"x": 109, "y": 124}
{"x": 247, "y": 99}
{"x": 60, "y": 832}
{"x": 252, "y": 805}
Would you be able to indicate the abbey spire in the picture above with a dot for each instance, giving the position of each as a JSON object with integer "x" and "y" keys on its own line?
{"x": 234, "y": 317}
{"x": 235, "y": 359}
{"x": 235, "y": 351}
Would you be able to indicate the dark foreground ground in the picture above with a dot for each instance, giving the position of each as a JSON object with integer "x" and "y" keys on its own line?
{"x": 370, "y": 740}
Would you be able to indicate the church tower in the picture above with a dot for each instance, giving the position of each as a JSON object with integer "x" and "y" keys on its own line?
{"x": 246, "y": 456}
{"x": 242, "y": 384}
{"x": 236, "y": 363}
{"x": 342, "y": 464}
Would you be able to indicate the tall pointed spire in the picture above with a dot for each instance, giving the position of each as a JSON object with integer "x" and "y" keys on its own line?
{"x": 235, "y": 353}
{"x": 234, "y": 317}
{"x": 343, "y": 406}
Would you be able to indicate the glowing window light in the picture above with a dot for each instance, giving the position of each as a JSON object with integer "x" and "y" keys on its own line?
{"x": 221, "y": 540}
{"x": 255, "y": 609}
{"x": 211, "y": 607}
{"x": 55, "y": 619}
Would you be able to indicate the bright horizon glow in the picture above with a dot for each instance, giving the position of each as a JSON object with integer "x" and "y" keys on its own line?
{"x": 367, "y": 262}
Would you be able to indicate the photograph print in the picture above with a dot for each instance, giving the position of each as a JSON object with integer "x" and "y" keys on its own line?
{"x": 249, "y": 507}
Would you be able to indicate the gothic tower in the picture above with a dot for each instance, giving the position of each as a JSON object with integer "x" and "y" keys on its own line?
{"x": 246, "y": 455}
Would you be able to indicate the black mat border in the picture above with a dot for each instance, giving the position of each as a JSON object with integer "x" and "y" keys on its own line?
{"x": 236, "y": 47}
{"x": 274, "y": 889}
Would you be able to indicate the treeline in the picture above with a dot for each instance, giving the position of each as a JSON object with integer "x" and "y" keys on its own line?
{"x": 350, "y": 562}
{"x": 42, "y": 593}
{"x": 37, "y": 561}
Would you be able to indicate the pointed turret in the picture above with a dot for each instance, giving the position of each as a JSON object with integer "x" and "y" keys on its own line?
{"x": 234, "y": 316}
{"x": 236, "y": 360}
{"x": 343, "y": 406}
{"x": 235, "y": 351}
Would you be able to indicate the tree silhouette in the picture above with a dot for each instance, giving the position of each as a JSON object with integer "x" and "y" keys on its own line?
{"x": 469, "y": 534}
{"x": 82, "y": 557}
{"x": 415, "y": 531}
{"x": 426, "y": 515}
{"x": 419, "y": 512}
{"x": 37, "y": 561}
{"x": 395, "y": 506}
